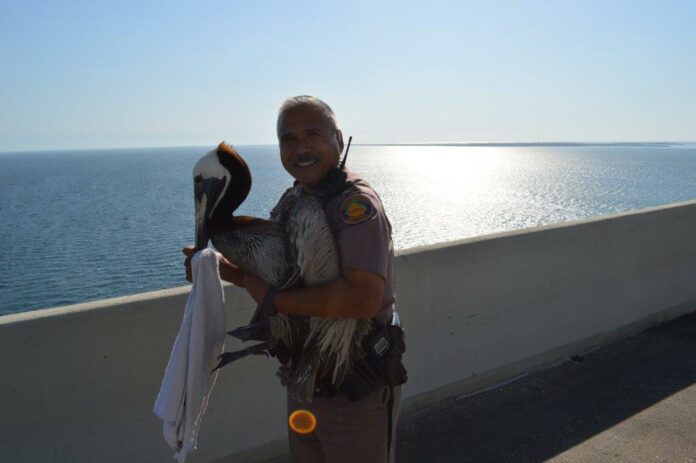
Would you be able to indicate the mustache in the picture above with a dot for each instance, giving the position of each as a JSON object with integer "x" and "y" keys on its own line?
{"x": 302, "y": 158}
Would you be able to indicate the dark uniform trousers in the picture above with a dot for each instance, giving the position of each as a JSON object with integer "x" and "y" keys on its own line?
{"x": 347, "y": 432}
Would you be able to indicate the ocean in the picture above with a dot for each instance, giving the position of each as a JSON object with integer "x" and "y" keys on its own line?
{"x": 78, "y": 226}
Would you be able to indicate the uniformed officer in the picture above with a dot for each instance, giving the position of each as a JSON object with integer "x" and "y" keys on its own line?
{"x": 310, "y": 147}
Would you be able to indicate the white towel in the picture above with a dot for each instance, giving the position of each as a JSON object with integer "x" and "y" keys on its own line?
{"x": 187, "y": 381}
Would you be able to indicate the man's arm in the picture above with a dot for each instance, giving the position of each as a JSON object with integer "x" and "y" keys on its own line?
{"x": 364, "y": 239}
{"x": 356, "y": 294}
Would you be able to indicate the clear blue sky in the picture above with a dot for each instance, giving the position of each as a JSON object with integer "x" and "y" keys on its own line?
{"x": 120, "y": 74}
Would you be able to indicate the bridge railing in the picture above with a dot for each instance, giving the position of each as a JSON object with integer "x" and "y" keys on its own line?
{"x": 79, "y": 382}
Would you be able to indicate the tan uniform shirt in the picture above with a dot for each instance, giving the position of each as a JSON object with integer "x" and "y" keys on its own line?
{"x": 364, "y": 236}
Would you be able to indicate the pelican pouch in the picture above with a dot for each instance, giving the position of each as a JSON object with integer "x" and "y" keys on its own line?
{"x": 381, "y": 364}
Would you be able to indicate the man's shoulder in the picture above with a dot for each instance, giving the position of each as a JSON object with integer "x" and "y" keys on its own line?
{"x": 356, "y": 204}
{"x": 356, "y": 185}
{"x": 288, "y": 195}
{"x": 294, "y": 189}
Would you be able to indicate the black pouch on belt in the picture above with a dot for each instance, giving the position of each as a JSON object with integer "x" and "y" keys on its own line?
{"x": 381, "y": 364}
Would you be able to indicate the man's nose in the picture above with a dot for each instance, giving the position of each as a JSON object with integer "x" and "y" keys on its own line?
{"x": 303, "y": 146}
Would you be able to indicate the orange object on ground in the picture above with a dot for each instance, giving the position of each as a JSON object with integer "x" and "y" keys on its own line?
{"x": 302, "y": 421}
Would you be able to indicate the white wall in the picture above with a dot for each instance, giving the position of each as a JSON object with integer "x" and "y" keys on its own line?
{"x": 78, "y": 383}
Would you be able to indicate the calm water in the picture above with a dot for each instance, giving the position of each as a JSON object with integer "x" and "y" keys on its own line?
{"x": 87, "y": 225}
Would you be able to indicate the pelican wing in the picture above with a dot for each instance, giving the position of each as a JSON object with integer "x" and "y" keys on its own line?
{"x": 313, "y": 242}
{"x": 259, "y": 247}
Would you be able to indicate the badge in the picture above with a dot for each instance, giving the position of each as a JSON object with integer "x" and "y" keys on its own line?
{"x": 356, "y": 209}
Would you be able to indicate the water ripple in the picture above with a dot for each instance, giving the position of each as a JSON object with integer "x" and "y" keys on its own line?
{"x": 79, "y": 226}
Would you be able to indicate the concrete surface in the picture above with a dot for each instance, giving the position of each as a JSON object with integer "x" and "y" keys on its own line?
{"x": 632, "y": 401}
{"x": 79, "y": 382}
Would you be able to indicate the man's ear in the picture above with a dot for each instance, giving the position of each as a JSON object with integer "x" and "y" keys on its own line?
{"x": 339, "y": 139}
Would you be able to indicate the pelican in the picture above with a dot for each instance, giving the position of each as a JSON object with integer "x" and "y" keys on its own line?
{"x": 294, "y": 247}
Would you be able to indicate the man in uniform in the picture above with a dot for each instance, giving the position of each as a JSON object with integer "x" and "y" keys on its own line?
{"x": 310, "y": 147}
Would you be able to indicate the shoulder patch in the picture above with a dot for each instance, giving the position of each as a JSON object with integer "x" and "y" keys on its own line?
{"x": 356, "y": 208}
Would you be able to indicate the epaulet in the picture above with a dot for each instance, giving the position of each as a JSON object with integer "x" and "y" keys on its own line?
{"x": 333, "y": 185}
{"x": 350, "y": 190}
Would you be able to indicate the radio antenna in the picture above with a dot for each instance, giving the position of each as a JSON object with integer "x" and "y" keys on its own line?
{"x": 345, "y": 156}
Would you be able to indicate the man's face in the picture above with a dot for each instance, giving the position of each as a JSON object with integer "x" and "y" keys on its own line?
{"x": 309, "y": 146}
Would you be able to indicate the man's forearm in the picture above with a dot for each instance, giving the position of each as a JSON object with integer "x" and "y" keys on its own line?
{"x": 337, "y": 299}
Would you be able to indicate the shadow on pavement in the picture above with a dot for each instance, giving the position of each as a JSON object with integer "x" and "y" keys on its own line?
{"x": 548, "y": 412}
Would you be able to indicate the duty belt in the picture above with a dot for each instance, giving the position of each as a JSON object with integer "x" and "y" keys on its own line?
{"x": 384, "y": 347}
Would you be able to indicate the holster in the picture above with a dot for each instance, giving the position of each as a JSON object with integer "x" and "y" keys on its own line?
{"x": 394, "y": 370}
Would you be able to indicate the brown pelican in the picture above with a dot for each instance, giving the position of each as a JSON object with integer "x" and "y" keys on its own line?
{"x": 294, "y": 247}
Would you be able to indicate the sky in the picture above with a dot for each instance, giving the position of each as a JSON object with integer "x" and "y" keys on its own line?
{"x": 96, "y": 74}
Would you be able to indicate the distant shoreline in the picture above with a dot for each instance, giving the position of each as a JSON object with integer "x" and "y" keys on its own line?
{"x": 656, "y": 144}
{"x": 515, "y": 144}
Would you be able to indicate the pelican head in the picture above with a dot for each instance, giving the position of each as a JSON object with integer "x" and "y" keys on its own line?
{"x": 221, "y": 182}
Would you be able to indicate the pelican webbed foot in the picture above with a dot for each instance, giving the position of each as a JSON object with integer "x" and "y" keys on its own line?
{"x": 229, "y": 357}
{"x": 255, "y": 332}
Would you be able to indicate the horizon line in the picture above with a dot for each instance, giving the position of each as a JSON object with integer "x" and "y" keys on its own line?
{"x": 481, "y": 144}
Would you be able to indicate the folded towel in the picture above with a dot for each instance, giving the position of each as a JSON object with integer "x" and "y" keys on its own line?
{"x": 187, "y": 381}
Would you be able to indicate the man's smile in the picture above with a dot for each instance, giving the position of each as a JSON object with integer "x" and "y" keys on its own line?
{"x": 305, "y": 160}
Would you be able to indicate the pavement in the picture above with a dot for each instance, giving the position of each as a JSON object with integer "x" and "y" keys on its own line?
{"x": 632, "y": 401}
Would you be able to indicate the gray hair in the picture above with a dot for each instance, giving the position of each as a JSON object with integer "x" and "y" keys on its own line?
{"x": 313, "y": 102}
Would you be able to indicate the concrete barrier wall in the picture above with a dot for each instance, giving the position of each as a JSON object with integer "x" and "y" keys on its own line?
{"x": 78, "y": 383}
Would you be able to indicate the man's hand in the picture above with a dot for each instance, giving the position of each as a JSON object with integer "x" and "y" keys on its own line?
{"x": 228, "y": 271}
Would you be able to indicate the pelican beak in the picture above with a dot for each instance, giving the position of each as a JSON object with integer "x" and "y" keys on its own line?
{"x": 206, "y": 193}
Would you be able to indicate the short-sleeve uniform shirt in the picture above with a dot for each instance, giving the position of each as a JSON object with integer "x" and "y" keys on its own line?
{"x": 364, "y": 236}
